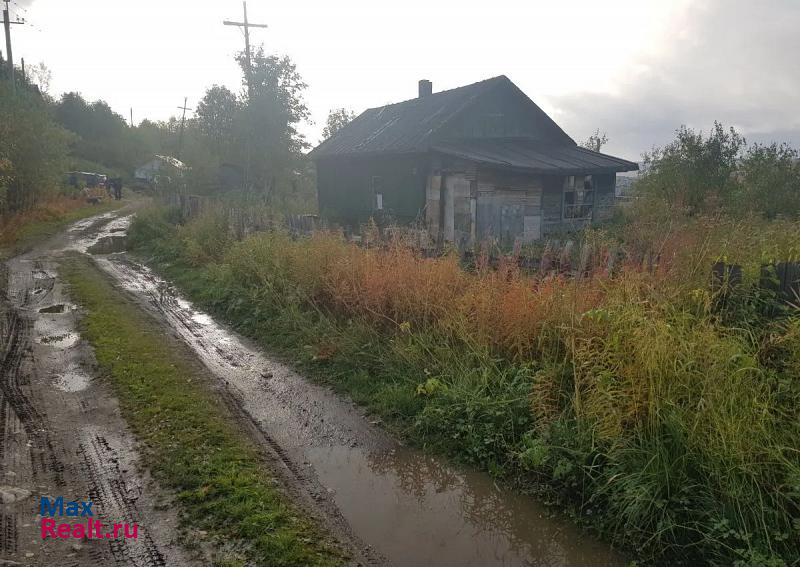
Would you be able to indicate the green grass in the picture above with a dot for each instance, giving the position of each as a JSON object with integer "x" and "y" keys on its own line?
{"x": 191, "y": 443}
{"x": 37, "y": 231}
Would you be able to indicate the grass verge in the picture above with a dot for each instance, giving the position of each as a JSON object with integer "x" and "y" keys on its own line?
{"x": 21, "y": 232}
{"x": 190, "y": 443}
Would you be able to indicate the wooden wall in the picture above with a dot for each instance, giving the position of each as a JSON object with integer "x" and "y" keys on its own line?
{"x": 345, "y": 191}
{"x": 465, "y": 204}
{"x": 458, "y": 201}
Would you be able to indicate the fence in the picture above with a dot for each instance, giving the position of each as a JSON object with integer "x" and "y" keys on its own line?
{"x": 781, "y": 278}
{"x": 244, "y": 220}
{"x": 565, "y": 257}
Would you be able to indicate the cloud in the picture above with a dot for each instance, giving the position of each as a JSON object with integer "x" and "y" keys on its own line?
{"x": 728, "y": 60}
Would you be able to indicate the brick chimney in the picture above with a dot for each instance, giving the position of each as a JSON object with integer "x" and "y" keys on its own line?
{"x": 425, "y": 88}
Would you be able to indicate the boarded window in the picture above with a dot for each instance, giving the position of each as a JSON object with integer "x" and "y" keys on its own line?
{"x": 578, "y": 197}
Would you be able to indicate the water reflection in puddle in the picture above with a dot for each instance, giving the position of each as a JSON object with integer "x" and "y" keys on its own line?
{"x": 417, "y": 510}
{"x": 74, "y": 379}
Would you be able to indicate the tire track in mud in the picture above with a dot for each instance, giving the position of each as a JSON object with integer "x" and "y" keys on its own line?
{"x": 66, "y": 440}
{"x": 17, "y": 333}
{"x": 108, "y": 489}
{"x": 298, "y": 480}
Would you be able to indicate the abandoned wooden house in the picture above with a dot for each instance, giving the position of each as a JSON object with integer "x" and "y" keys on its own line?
{"x": 476, "y": 162}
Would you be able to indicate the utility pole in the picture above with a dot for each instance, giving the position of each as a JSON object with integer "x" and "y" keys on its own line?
{"x": 131, "y": 117}
{"x": 183, "y": 121}
{"x": 248, "y": 74}
{"x": 246, "y": 25}
{"x": 7, "y": 24}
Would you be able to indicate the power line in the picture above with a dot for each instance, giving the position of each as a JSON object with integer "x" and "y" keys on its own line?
{"x": 7, "y": 25}
{"x": 246, "y": 25}
{"x": 183, "y": 122}
{"x": 19, "y": 7}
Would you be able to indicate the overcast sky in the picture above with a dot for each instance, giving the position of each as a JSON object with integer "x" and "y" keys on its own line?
{"x": 636, "y": 69}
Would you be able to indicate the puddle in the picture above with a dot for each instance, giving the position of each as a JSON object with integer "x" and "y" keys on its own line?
{"x": 11, "y": 494}
{"x": 63, "y": 341}
{"x": 86, "y": 223}
{"x": 411, "y": 508}
{"x": 418, "y": 510}
{"x": 109, "y": 245}
{"x": 59, "y": 308}
{"x": 72, "y": 380}
{"x": 110, "y": 236}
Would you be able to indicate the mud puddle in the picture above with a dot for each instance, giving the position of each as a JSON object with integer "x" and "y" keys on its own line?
{"x": 110, "y": 236}
{"x": 57, "y": 308}
{"x": 412, "y": 509}
{"x": 109, "y": 244}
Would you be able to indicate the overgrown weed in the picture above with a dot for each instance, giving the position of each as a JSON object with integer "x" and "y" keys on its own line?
{"x": 662, "y": 409}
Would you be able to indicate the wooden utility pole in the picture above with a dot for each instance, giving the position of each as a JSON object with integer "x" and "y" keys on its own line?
{"x": 131, "y": 117}
{"x": 7, "y": 24}
{"x": 246, "y": 26}
{"x": 183, "y": 122}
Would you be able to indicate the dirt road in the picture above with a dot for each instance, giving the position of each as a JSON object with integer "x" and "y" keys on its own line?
{"x": 61, "y": 433}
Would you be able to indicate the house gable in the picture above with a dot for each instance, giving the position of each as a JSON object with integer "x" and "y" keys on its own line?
{"x": 503, "y": 111}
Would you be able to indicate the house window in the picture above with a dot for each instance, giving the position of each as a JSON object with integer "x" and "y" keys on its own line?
{"x": 377, "y": 190}
{"x": 578, "y": 197}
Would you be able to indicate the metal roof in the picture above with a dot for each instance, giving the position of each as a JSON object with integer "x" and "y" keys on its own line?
{"x": 534, "y": 156}
{"x": 174, "y": 162}
{"x": 405, "y": 126}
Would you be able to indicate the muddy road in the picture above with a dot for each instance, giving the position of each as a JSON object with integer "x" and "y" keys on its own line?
{"x": 394, "y": 505}
{"x": 61, "y": 433}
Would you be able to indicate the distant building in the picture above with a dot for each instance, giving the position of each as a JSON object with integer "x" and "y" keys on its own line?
{"x": 475, "y": 162}
{"x": 160, "y": 167}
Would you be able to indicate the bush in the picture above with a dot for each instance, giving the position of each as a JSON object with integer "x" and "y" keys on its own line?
{"x": 34, "y": 150}
{"x": 694, "y": 171}
{"x": 705, "y": 173}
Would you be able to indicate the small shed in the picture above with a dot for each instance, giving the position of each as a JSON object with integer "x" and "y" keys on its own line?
{"x": 159, "y": 166}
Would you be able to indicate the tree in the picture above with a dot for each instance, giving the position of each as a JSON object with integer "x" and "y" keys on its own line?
{"x": 596, "y": 141}
{"x": 104, "y": 136}
{"x": 41, "y": 76}
{"x": 695, "y": 171}
{"x": 337, "y": 118}
{"x": 268, "y": 124}
{"x": 216, "y": 116}
{"x": 769, "y": 181}
{"x": 34, "y": 150}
